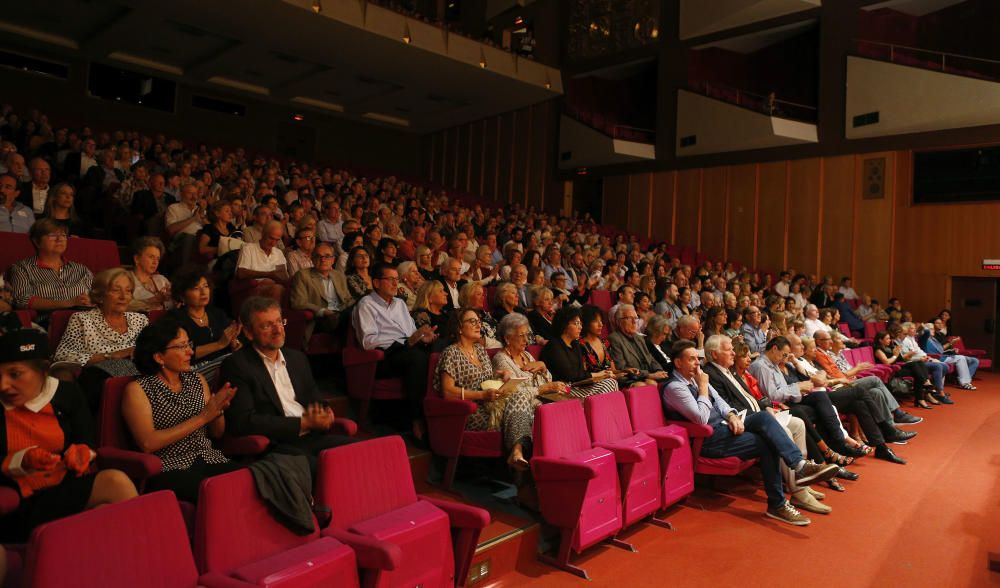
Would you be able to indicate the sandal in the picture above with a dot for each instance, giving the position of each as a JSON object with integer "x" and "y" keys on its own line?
{"x": 833, "y": 484}
{"x": 967, "y": 387}
{"x": 836, "y": 458}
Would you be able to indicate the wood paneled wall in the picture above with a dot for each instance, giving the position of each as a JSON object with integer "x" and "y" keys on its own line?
{"x": 508, "y": 158}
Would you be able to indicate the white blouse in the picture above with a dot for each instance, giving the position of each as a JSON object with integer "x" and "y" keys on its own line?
{"x": 142, "y": 297}
{"x": 88, "y": 333}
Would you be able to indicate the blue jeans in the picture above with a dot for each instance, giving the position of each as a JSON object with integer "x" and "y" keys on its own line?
{"x": 764, "y": 439}
{"x": 965, "y": 366}
{"x": 937, "y": 371}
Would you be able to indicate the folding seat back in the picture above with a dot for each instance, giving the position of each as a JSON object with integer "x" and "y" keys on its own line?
{"x": 870, "y": 331}
{"x": 139, "y": 542}
{"x": 844, "y": 329}
{"x": 360, "y": 367}
{"x": 374, "y": 508}
{"x": 591, "y": 510}
{"x": 535, "y": 351}
{"x": 601, "y": 299}
{"x": 236, "y": 536}
{"x": 676, "y": 460}
{"x": 58, "y": 321}
{"x": 635, "y": 453}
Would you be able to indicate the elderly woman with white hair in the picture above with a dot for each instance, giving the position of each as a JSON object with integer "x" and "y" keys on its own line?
{"x": 657, "y": 333}
{"x": 410, "y": 280}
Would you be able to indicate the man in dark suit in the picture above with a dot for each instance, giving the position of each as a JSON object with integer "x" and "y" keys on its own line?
{"x": 451, "y": 277}
{"x": 276, "y": 395}
{"x": 149, "y": 206}
{"x": 35, "y": 193}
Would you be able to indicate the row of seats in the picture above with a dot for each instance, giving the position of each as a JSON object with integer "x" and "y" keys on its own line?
{"x": 381, "y": 533}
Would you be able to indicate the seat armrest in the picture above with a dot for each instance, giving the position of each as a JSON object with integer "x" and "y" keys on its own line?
{"x": 358, "y": 356}
{"x": 9, "y": 500}
{"x": 344, "y": 426}
{"x": 136, "y": 465}
{"x": 372, "y": 553}
{"x": 693, "y": 429}
{"x": 549, "y": 469}
{"x": 217, "y": 580}
{"x": 435, "y": 406}
{"x": 666, "y": 439}
{"x": 623, "y": 452}
{"x": 245, "y": 446}
{"x": 462, "y": 516}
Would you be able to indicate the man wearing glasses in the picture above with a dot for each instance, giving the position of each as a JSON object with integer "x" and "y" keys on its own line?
{"x": 381, "y": 321}
{"x": 322, "y": 290}
{"x": 754, "y": 336}
{"x": 277, "y": 396}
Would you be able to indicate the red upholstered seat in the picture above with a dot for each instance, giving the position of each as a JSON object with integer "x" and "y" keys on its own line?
{"x": 635, "y": 452}
{"x": 577, "y": 484}
{"x": 9, "y": 500}
{"x": 446, "y": 423}
{"x": 113, "y": 546}
{"x": 676, "y": 461}
{"x": 711, "y": 466}
{"x": 236, "y": 536}
{"x": 401, "y": 539}
{"x": 96, "y": 254}
{"x": 359, "y": 367}
{"x": 58, "y": 321}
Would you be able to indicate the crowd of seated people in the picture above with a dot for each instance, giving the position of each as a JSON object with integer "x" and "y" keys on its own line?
{"x": 406, "y": 270}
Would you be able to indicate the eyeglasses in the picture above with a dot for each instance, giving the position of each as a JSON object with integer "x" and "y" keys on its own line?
{"x": 182, "y": 346}
{"x": 325, "y": 256}
{"x": 473, "y": 321}
{"x": 274, "y": 326}
{"x": 629, "y": 318}
{"x": 56, "y": 236}
{"x": 392, "y": 279}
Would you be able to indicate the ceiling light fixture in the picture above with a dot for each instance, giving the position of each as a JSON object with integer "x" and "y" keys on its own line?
{"x": 482, "y": 58}
{"x": 406, "y": 34}
{"x": 317, "y": 6}
{"x": 298, "y": 117}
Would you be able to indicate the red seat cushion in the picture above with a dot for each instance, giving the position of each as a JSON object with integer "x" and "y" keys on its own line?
{"x": 310, "y": 564}
{"x": 721, "y": 466}
{"x": 482, "y": 444}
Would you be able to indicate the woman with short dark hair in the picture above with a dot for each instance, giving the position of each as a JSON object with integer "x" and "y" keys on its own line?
{"x": 563, "y": 356}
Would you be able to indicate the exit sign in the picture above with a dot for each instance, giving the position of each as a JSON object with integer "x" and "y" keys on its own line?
{"x": 991, "y": 264}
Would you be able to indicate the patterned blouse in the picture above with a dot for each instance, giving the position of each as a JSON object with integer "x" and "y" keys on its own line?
{"x": 88, "y": 334}
{"x": 173, "y": 408}
{"x": 465, "y": 373}
{"x": 29, "y": 279}
{"x": 591, "y": 361}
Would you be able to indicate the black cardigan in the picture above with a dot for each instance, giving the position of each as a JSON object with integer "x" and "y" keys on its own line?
{"x": 565, "y": 362}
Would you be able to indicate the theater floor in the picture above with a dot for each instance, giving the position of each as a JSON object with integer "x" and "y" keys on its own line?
{"x": 928, "y": 523}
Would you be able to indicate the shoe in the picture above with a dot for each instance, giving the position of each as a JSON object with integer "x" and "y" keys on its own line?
{"x": 907, "y": 419}
{"x": 944, "y": 399}
{"x": 835, "y": 485}
{"x": 804, "y": 500}
{"x": 814, "y": 472}
{"x": 883, "y": 452}
{"x": 786, "y": 513}
{"x": 845, "y": 474}
{"x": 966, "y": 386}
{"x": 901, "y": 437}
{"x": 853, "y": 451}
{"x": 816, "y": 493}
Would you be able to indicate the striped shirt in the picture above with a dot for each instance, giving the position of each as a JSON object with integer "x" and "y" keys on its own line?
{"x": 29, "y": 279}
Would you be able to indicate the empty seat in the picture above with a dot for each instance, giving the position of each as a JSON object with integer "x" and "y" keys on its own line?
{"x": 401, "y": 539}
{"x": 676, "y": 461}
{"x": 236, "y": 537}
{"x": 577, "y": 483}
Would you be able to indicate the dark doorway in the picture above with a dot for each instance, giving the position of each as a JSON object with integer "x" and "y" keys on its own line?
{"x": 588, "y": 196}
{"x": 974, "y": 312}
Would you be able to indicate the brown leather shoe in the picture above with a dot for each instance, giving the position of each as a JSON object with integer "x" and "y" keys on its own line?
{"x": 786, "y": 513}
{"x": 814, "y": 472}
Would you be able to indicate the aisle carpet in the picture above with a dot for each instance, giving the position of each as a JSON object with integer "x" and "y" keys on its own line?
{"x": 928, "y": 523}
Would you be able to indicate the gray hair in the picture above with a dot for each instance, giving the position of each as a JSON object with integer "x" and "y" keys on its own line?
{"x": 714, "y": 344}
{"x": 657, "y": 325}
{"x": 405, "y": 267}
{"x": 688, "y": 320}
{"x": 622, "y": 308}
{"x": 509, "y": 323}
{"x": 502, "y": 290}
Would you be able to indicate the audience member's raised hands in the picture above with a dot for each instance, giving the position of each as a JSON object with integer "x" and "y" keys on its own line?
{"x": 77, "y": 458}
{"x": 39, "y": 460}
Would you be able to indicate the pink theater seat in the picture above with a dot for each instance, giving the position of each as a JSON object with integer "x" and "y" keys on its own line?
{"x": 577, "y": 483}
{"x": 676, "y": 461}
{"x": 446, "y": 421}
{"x": 360, "y": 366}
{"x": 58, "y": 321}
{"x": 984, "y": 362}
{"x": 601, "y": 299}
{"x": 636, "y": 454}
{"x": 235, "y": 536}
{"x": 865, "y": 354}
{"x": 96, "y": 254}
{"x": 114, "y": 547}
{"x": 401, "y": 538}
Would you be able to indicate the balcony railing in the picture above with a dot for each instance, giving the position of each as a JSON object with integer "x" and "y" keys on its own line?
{"x": 769, "y": 105}
{"x": 952, "y": 63}
{"x": 609, "y": 126}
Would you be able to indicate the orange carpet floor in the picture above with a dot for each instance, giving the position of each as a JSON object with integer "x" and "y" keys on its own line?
{"x": 931, "y": 522}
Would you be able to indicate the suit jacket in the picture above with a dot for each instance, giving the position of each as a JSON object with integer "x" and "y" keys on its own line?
{"x": 25, "y": 197}
{"x": 659, "y": 359}
{"x": 256, "y": 408}
{"x": 308, "y": 293}
{"x": 631, "y": 352}
{"x": 452, "y": 301}
{"x": 728, "y": 391}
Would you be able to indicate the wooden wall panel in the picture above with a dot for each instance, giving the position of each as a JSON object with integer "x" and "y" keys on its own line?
{"x": 476, "y": 161}
{"x": 837, "y": 225}
{"x": 803, "y": 214}
{"x": 462, "y": 158}
{"x": 540, "y": 157}
{"x": 714, "y": 197}
{"x": 873, "y": 230}
{"x": 662, "y": 205}
{"x": 742, "y": 211}
{"x": 505, "y": 165}
{"x": 450, "y": 158}
{"x": 616, "y": 201}
{"x": 521, "y": 154}
{"x": 771, "y": 216}
{"x": 688, "y": 206}
{"x": 638, "y": 204}
{"x": 491, "y": 146}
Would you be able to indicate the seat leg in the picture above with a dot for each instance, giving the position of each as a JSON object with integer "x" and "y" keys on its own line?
{"x": 655, "y": 520}
{"x": 615, "y": 541}
{"x": 561, "y": 559}
{"x": 450, "y": 469}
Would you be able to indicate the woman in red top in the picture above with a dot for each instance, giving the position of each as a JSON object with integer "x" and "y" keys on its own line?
{"x": 46, "y": 440}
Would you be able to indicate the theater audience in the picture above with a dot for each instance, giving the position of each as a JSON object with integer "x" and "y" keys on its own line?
{"x": 47, "y": 442}
{"x": 542, "y": 315}
{"x": 431, "y": 308}
{"x": 220, "y": 237}
{"x": 689, "y": 396}
{"x": 212, "y": 333}
{"x": 59, "y": 207}
{"x": 183, "y": 222}
{"x": 657, "y": 335}
{"x": 301, "y": 256}
{"x": 628, "y": 348}
{"x": 889, "y": 352}
{"x": 15, "y": 217}
{"x": 263, "y": 265}
{"x": 473, "y": 295}
{"x": 410, "y": 280}
{"x": 359, "y": 279}
{"x": 45, "y": 281}
{"x": 152, "y": 290}
{"x": 754, "y": 335}
{"x": 965, "y": 365}
{"x": 171, "y": 412}
{"x": 322, "y": 290}
{"x": 563, "y": 355}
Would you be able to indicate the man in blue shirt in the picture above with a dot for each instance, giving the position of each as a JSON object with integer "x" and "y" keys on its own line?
{"x": 14, "y": 216}
{"x": 753, "y": 335}
{"x": 689, "y": 396}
